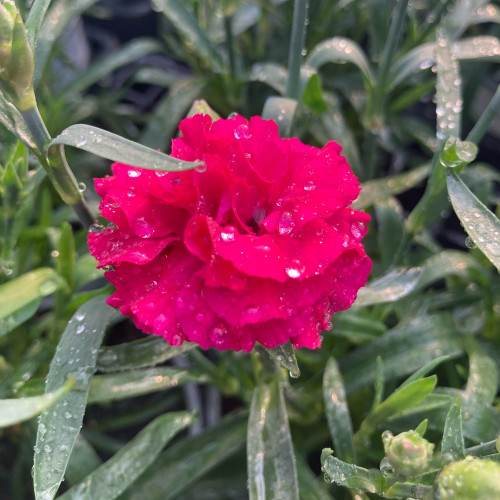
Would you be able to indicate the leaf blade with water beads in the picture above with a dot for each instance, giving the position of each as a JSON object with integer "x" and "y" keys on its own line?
{"x": 453, "y": 439}
{"x": 284, "y": 355}
{"x": 20, "y": 297}
{"x": 337, "y": 412}
{"x": 119, "y": 472}
{"x": 270, "y": 456}
{"x": 13, "y": 411}
{"x": 350, "y": 475}
{"x": 481, "y": 224}
{"x": 115, "y": 148}
{"x": 58, "y": 428}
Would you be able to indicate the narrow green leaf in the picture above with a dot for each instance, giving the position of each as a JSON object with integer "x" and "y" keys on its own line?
{"x": 270, "y": 456}
{"x": 380, "y": 189}
{"x": 351, "y": 476}
{"x": 13, "y": 411}
{"x": 140, "y": 353}
{"x": 66, "y": 254}
{"x": 311, "y": 487}
{"x": 58, "y": 428}
{"x": 285, "y": 356}
{"x": 163, "y": 124}
{"x": 129, "y": 53}
{"x": 182, "y": 19}
{"x": 12, "y": 120}
{"x": 61, "y": 12}
{"x": 313, "y": 95}
{"x": 272, "y": 74}
{"x": 448, "y": 89}
{"x": 390, "y": 228}
{"x": 400, "y": 400}
{"x": 424, "y": 370}
{"x": 200, "y": 106}
{"x": 136, "y": 382}
{"x": 189, "y": 459}
{"x": 20, "y": 297}
{"x": 35, "y": 19}
{"x": 282, "y": 111}
{"x": 113, "y": 147}
{"x": 482, "y": 382}
{"x": 422, "y": 427}
{"x": 337, "y": 412}
{"x": 481, "y": 224}
{"x": 340, "y": 50}
{"x": 453, "y": 439}
{"x": 120, "y": 471}
{"x": 82, "y": 462}
{"x": 412, "y": 344}
{"x": 408, "y": 490}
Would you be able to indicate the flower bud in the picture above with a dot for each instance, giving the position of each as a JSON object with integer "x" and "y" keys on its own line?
{"x": 408, "y": 453}
{"x": 469, "y": 479}
{"x": 16, "y": 58}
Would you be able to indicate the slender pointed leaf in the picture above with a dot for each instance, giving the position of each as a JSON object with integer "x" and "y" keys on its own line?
{"x": 35, "y": 19}
{"x": 59, "y": 427}
{"x": 182, "y": 19}
{"x": 113, "y": 147}
{"x": 340, "y": 50}
{"x": 453, "y": 439}
{"x": 82, "y": 462}
{"x": 424, "y": 370}
{"x": 141, "y": 353}
{"x": 13, "y": 411}
{"x": 120, "y": 471}
{"x": 285, "y": 356}
{"x": 189, "y": 459}
{"x": 20, "y": 297}
{"x": 351, "y": 476}
{"x": 480, "y": 223}
{"x": 270, "y": 456}
{"x": 136, "y": 382}
{"x": 282, "y": 111}
{"x": 337, "y": 412}
{"x": 12, "y": 120}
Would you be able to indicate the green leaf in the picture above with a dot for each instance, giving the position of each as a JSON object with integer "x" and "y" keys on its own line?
{"x": 61, "y": 12}
{"x": 408, "y": 490}
{"x": 390, "y": 228}
{"x": 200, "y": 106}
{"x": 448, "y": 89}
{"x": 402, "y": 399}
{"x": 140, "y": 353}
{"x": 482, "y": 382}
{"x": 58, "y": 428}
{"x": 313, "y": 95}
{"x": 82, "y": 462}
{"x": 13, "y": 411}
{"x": 380, "y": 189}
{"x": 66, "y": 255}
{"x": 285, "y": 356}
{"x": 481, "y": 224}
{"x": 311, "y": 487}
{"x": 272, "y": 74}
{"x": 337, "y": 412}
{"x": 103, "y": 67}
{"x": 399, "y": 283}
{"x": 13, "y": 121}
{"x": 351, "y": 476}
{"x": 163, "y": 124}
{"x": 34, "y": 20}
{"x": 177, "y": 13}
{"x": 453, "y": 439}
{"x": 424, "y": 370}
{"x": 114, "y": 476}
{"x": 136, "y": 382}
{"x": 113, "y": 147}
{"x": 411, "y": 345}
{"x": 270, "y": 455}
{"x": 282, "y": 111}
{"x": 340, "y": 50}
{"x": 189, "y": 459}
{"x": 20, "y": 297}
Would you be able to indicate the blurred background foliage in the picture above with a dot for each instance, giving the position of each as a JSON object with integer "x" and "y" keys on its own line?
{"x": 390, "y": 81}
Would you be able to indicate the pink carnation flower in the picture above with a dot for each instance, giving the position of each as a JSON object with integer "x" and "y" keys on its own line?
{"x": 258, "y": 245}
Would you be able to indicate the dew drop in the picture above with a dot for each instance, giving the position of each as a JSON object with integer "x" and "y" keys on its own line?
{"x": 81, "y": 187}
{"x": 79, "y": 329}
{"x": 309, "y": 186}
{"x": 228, "y": 234}
{"x": 286, "y": 223}
{"x": 133, "y": 173}
{"x": 201, "y": 168}
{"x": 242, "y": 132}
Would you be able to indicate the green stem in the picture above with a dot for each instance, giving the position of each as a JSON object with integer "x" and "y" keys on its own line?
{"x": 296, "y": 47}
{"x": 228, "y": 25}
{"x": 54, "y": 162}
{"x": 482, "y": 125}
{"x": 482, "y": 449}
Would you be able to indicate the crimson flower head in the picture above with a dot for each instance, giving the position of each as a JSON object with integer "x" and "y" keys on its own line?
{"x": 257, "y": 245}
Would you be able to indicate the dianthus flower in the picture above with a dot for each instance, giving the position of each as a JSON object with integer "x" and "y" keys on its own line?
{"x": 257, "y": 245}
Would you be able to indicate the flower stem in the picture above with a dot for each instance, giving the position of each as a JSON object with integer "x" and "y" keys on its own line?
{"x": 296, "y": 47}
{"x": 481, "y": 126}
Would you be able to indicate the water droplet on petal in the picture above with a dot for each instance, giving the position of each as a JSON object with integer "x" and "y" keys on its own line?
{"x": 228, "y": 234}
{"x": 295, "y": 269}
{"x": 96, "y": 228}
{"x": 133, "y": 173}
{"x": 286, "y": 223}
{"x": 242, "y": 132}
{"x": 309, "y": 186}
